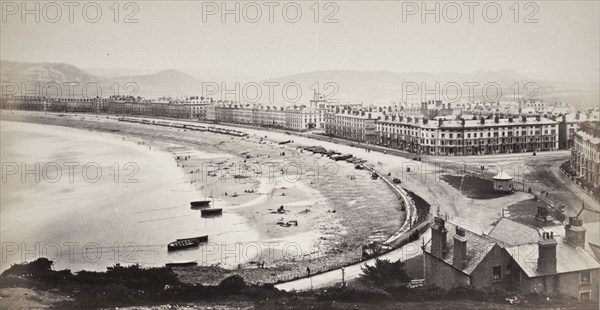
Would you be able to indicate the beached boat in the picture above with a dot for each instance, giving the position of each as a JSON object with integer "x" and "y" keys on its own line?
{"x": 200, "y": 204}
{"x": 199, "y": 238}
{"x": 182, "y": 244}
{"x": 341, "y": 157}
{"x": 185, "y": 243}
{"x": 211, "y": 211}
{"x": 182, "y": 264}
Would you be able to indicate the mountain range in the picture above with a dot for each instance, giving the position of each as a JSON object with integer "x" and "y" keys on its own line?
{"x": 378, "y": 87}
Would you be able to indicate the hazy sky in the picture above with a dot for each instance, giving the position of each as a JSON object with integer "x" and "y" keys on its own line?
{"x": 563, "y": 44}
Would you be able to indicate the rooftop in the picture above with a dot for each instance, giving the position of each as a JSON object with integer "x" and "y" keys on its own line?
{"x": 512, "y": 233}
{"x": 588, "y": 137}
{"x": 478, "y": 247}
{"x": 502, "y": 176}
{"x": 520, "y": 242}
{"x": 471, "y": 123}
{"x": 568, "y": 258}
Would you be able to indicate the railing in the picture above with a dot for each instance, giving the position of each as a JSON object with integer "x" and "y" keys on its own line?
{"x": 578, "y": 184}
{"x": 406, "y": 238}
{"x": 405, "y": 234}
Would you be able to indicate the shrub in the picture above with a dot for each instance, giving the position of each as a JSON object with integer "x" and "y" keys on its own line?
{"x": 360, "y": 294}
{"x": 386, "y": 273}
{"x": 39, "y": 266}
{"x": 233, "y": 284}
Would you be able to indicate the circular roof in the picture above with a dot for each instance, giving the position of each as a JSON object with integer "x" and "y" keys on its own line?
{"x": 502, "y": 176}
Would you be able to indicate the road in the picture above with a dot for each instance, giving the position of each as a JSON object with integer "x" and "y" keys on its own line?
{"x": 423, "y": 179}
{"x": 334, "y": 277}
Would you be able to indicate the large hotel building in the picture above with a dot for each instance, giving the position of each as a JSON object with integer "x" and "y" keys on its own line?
{"x": 585, "y": 155}
{"x": 432, "y": 128}
{"x": 468, "y": 137}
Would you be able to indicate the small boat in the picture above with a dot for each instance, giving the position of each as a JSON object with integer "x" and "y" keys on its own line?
{"x": 211, "y": 211}
{"x": 200, "y": 204}
{"x": 199, "y": 238}
{"x": 182, "y": 264}
{"x": 185, "y": 243}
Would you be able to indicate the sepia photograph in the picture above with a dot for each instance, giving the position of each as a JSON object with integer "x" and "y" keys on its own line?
{"x": 299, "y": 154}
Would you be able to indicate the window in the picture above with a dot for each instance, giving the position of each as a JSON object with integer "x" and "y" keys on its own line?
{"x": 497, "y": 273}
{"x": 585, "y": 277}
{"x": 584, "y": 295}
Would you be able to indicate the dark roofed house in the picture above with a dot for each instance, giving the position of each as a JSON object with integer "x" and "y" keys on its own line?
{"x": 512, "y": 257}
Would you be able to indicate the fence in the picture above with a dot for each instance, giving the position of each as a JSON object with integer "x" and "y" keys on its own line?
{"x": 407, "y": 237}
{"x": 404, "y": 235}
{"x": 578, "y": 184}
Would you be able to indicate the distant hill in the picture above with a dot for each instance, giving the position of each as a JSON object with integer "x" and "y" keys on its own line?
{"x": 43, "y": 73}
{"x": 383, "y": 87}
{"x": 164, "y": 83}
{"x": 377, "y": 87}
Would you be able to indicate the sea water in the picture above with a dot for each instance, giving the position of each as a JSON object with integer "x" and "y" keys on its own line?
{"x": 88, "y": 200}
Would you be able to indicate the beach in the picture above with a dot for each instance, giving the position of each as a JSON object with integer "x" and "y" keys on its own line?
{"x": 330, "y": 210}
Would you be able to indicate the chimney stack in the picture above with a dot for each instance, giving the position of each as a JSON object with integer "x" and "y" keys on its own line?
{"x": 547, "y": 254}
{"x": 460, "y": 248}
{"x": 438, "y": 237}
{"x": 575, "y": 232}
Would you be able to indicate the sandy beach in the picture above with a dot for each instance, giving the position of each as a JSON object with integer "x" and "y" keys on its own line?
{"x": 337, "y": 209}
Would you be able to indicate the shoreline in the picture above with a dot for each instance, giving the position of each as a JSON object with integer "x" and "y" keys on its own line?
{"x": 335, "y": 215}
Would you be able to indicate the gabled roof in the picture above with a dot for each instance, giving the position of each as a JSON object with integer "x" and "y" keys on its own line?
{"x": 568, "y": 258}
{"x": 512, "y": 233}
{"x": 520, "y": 242}
{"x": 478, "y": 248}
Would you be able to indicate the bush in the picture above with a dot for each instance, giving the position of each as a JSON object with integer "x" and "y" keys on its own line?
{"x": 426, "y": 293}
{"x": 385, "y": 273}
{"x": 481, "y": 294}
{"x": 39, "y": 266}
{"x": 360, "y": 294}
{"x": 233, "y": 284}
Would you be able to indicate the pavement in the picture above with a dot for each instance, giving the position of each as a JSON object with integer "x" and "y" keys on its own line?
{"x": 477, "y": 215}
{"x": 423, "y": 179}
{"x": 334, "y": 277}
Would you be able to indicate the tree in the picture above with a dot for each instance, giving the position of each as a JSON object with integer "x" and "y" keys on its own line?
{"x": 385, "y": 273}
